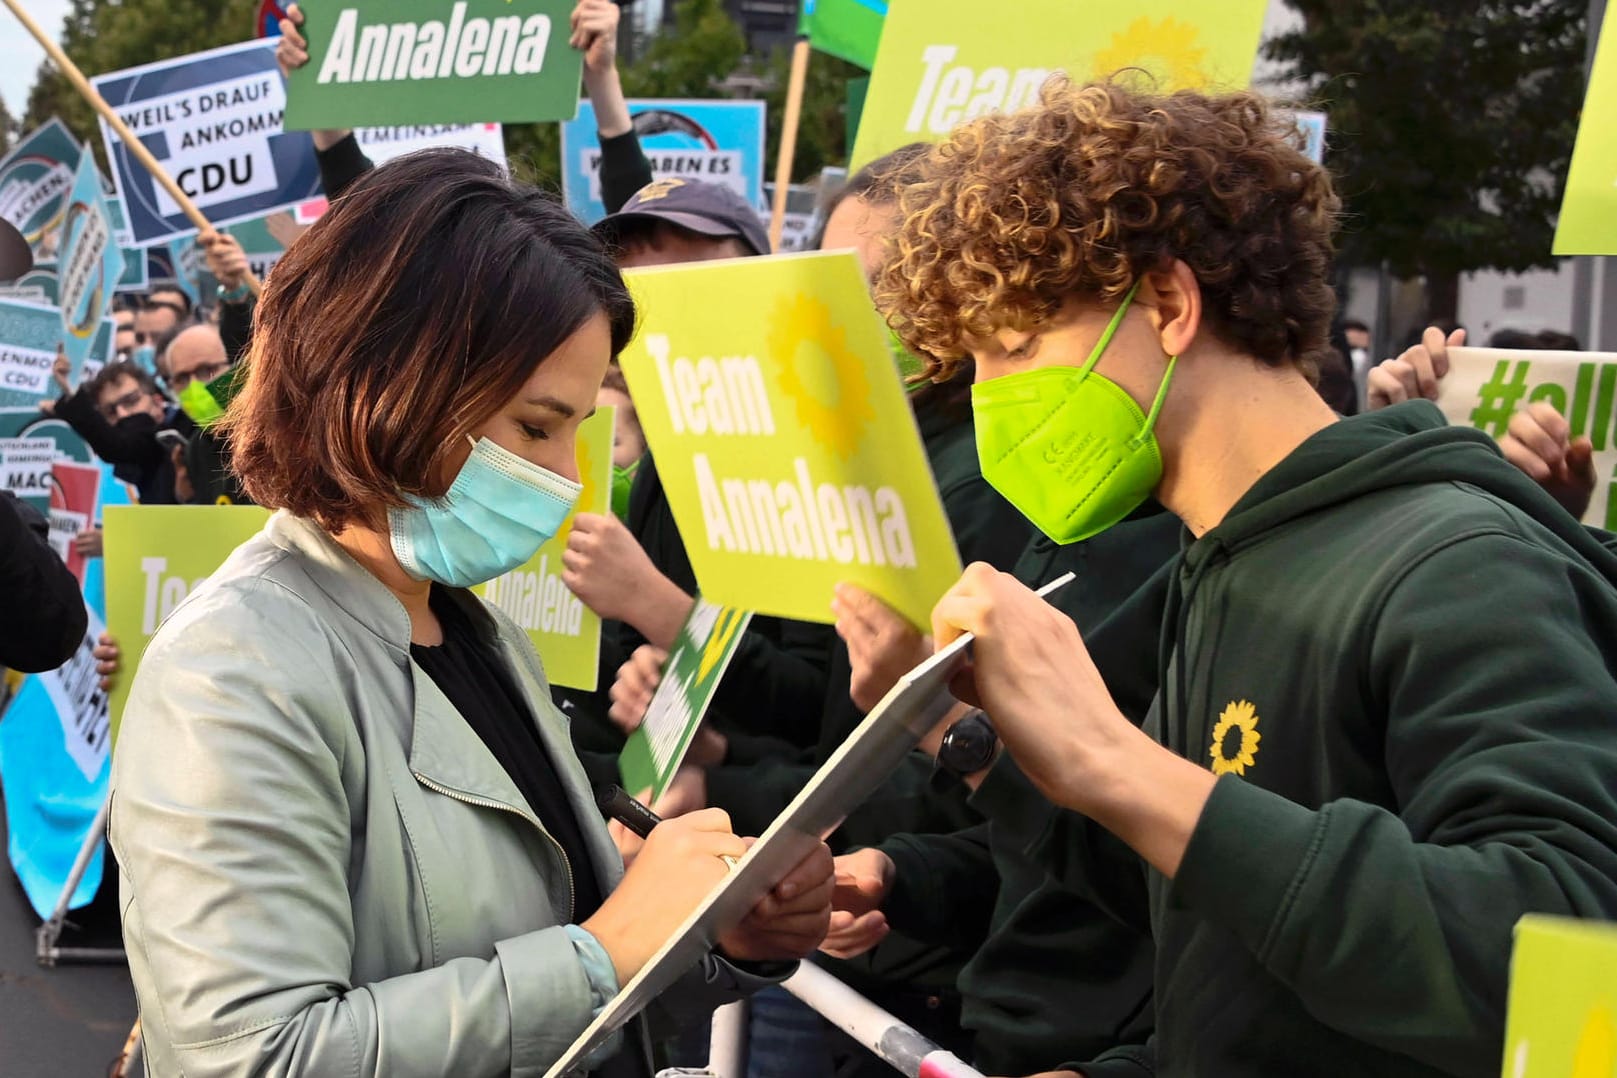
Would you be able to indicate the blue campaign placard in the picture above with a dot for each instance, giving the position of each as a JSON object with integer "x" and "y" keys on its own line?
{"x": 30, "y": 422}
{"x": 213, "y": 120}
{"x": 29, "y": 335}
{"x": 717, "y": 141}
{"x": 38, "y": 285}
{"x": 134, "y": 274}
{"x": 34, "y": 181}
{"x": 90, "y": 265}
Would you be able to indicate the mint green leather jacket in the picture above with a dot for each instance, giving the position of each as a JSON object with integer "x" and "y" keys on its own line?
{"x": 323, "y": 870}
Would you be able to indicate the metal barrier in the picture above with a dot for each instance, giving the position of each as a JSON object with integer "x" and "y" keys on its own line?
{"x": 898, "y": 1045}
{"x": 46, "y": 951}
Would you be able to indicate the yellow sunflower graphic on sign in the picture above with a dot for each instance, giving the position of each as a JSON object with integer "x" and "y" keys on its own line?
{"x": 1596, "y": 1054}
{"x": 824, "y": 379}
{"x": 1235, "y": 739}
{"x": 1167, "y": 48}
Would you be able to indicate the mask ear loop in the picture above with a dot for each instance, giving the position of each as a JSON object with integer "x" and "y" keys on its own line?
{"x": 1156, "y": 405}
{"x": 1111, "y": 329}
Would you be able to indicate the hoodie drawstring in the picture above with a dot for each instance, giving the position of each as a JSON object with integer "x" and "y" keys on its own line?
{"x": 1177, "y": 704}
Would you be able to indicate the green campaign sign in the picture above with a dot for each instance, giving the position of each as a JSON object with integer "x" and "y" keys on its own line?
{"x": 378, "y": 63}
{"x": 847, "y": 29}
{"x": 702, "y": 652}
{"x": 156, "y": 555}
{"x": 1588, "y": 222}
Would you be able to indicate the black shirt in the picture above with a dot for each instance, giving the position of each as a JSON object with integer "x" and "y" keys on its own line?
{"x": 470, "y": 672}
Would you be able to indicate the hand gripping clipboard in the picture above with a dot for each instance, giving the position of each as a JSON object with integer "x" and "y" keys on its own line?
{"x": 890, "y": 732}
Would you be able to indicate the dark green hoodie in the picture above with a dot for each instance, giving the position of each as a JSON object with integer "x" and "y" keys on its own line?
{"x": 1418, "y": 648}
{"x": 1056, "y": 977}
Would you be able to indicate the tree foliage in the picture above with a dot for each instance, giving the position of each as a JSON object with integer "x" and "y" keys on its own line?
{"x": 101, "y": 36}
{"x": 704, "y": 47}
{"x": 8, "y": 129}
{"x": 822, "y": 133}
{"x": 1451, "y": 127}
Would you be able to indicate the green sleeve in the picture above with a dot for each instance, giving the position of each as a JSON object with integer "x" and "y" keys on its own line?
{"x": 1500, "y": 749}
{"x": 944, "y": 887}
{"x": 1076, "y": 852}
{"x": 1603, "y": 537}
{"x": 1125, "y": 1061}
{"x": 755, "y": 793}
{"x": 776, "y": 683}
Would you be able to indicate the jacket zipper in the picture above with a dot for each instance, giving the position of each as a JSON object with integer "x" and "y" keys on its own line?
{"x": 483, "y": 802}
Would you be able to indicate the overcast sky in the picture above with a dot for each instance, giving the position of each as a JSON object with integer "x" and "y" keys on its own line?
{"x": 20, "y": 54}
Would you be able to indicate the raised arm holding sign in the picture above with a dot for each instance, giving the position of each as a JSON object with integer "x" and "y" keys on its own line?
{"x": 382, "y": 62}
{"x": 784, "y": 439}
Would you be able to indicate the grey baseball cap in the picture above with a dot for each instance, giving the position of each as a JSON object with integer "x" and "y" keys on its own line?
{"x": 15, "y": 257}
{"x": 708, "y": 209}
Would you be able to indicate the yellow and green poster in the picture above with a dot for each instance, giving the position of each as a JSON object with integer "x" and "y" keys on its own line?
{"x": 1588, "y": 224}
{"x": 942, "y": 62}
{"x": 565, "y": 632}
{"x": 784, "y": 439}
{"x": 155, "y": 556}
{"x": 1562, "y": 1021}
{"x": 701, "y": 654}
{"x": 1486, "y": 386}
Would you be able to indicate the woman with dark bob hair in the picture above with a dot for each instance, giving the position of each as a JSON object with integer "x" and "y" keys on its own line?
{"x": 352, "y": 835}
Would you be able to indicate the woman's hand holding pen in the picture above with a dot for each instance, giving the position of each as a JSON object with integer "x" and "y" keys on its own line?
{"x": 787, "y": 923}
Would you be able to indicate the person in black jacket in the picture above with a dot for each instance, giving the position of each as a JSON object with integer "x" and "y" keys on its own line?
{"x": 119, "y": 413}
{"x": 45, "y": 617}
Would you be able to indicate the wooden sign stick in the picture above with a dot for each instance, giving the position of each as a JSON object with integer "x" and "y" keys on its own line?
{"x": 131, "y": 143}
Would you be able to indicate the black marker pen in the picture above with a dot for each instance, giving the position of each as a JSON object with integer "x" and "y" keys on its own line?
{"x": 616, "y": 804}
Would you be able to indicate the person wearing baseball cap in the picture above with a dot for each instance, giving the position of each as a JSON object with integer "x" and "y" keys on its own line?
{"x": 674, "y": 220}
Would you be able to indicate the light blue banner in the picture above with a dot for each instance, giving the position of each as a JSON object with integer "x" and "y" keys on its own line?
{"x": 34, "y": 181}
{"x": 29, "y": 334}
{"x": 54, "y": 759}
{"x": 134, "y": 275}
{"x": 89, "y": 265}
{"x": 716, "y": 141}
{"x": 185, "y": 262}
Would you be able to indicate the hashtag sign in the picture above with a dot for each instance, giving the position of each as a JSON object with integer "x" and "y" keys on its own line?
{"x": 1499, "y": 395}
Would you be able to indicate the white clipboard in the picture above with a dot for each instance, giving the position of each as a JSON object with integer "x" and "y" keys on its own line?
{"x": 870, "y": 754}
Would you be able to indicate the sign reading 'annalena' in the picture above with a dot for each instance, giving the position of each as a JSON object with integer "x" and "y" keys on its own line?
{"x": 384, "y": 62}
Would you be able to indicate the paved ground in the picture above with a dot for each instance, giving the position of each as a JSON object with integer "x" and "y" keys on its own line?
{"x": 65, "y": 1022}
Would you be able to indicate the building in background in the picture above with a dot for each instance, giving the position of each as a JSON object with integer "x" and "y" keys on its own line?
{"x": 768, "y": 24}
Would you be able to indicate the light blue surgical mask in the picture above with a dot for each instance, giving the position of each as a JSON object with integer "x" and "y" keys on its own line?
{"x": 145, "y": 358}
{"x": 497, "y": 514}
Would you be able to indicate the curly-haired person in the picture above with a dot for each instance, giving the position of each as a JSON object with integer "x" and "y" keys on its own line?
{"x": 1383, "y": 730}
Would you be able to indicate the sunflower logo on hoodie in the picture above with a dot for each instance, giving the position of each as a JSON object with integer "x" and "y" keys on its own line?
{"x": 1235, "y": 739}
